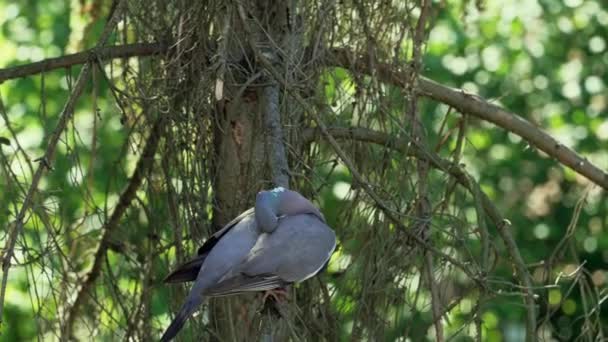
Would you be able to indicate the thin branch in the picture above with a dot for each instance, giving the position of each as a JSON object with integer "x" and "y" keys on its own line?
{"x": 102, "y": 53}
{"x": 435, "y": 298}
{"x": 45, "y": 162}
{"x": 141, "y": 169}
{"x": 476, "y": 106}
{"x": 398, "y": 144}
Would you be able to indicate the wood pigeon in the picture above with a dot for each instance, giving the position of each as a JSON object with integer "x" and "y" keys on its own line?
{"x": 283, "y": 239}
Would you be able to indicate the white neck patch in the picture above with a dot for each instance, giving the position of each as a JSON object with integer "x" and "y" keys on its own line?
{"x": 278, "y": 189}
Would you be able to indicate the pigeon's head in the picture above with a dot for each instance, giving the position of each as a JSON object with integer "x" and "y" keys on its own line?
{"x": 272, "y": 204}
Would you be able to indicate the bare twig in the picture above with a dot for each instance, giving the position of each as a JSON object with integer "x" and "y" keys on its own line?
{"x": 45, "y": 161}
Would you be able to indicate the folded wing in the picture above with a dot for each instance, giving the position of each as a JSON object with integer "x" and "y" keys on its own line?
{"x": 189, "y": 270}
{"x": 298, "y": 249}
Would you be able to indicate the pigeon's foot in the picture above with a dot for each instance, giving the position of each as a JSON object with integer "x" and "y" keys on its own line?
{"x": 279, "y": 295}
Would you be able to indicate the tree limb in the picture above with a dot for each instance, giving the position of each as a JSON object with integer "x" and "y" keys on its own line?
{"x": 101, "y": 53}
{"x": 476, "y": 106}
{"x": 456, "y": 98}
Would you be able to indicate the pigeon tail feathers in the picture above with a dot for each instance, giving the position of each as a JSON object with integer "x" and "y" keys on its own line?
{"x": 189, "y": 307}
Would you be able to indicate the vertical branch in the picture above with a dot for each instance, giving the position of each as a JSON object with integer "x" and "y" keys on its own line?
{"x": 279, "y": 173}
{"x": 435, "y": 298}
{"x": 172, "y": 198}
{"x": 423, "y": 206}
{"x": 279, "y": 169}
{"x": 91, "y": 166}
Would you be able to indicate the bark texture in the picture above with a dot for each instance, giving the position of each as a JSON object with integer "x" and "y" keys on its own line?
{"x": 250, "y": 151}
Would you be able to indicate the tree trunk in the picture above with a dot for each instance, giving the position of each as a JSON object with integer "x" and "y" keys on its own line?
{"x": 249, "y": 151}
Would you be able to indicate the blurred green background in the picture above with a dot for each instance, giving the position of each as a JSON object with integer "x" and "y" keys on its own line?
{"x": 545, "y": 60}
